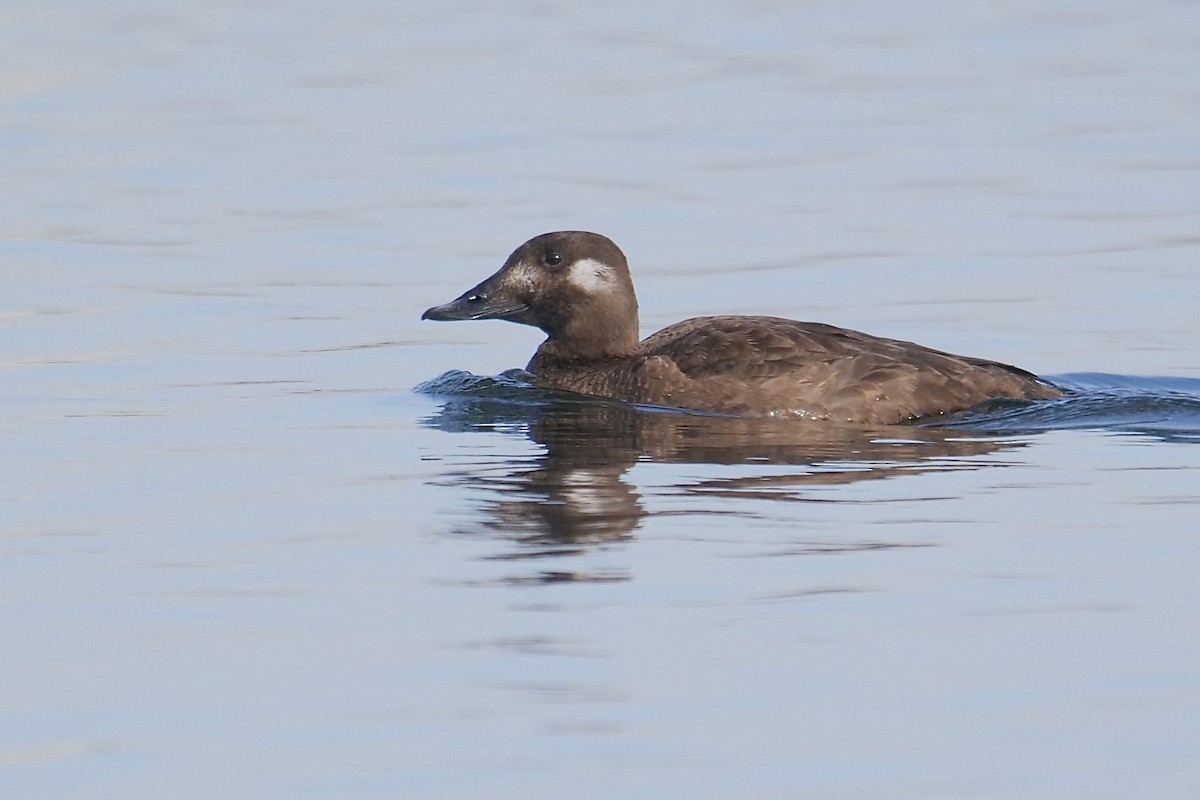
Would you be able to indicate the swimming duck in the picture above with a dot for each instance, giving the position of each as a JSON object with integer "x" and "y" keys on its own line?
{"x": 575, "y": 286}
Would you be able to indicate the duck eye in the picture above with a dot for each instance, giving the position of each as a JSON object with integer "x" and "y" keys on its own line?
{"x": 552, "y": 259}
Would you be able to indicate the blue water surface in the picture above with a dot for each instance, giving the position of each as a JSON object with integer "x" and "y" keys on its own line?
{"x": 241, "y": 558}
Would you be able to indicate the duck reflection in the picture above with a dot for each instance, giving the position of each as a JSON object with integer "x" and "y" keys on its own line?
{"x": 578, "y": 492}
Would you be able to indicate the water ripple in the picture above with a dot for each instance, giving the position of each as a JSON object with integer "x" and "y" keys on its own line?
{"x": 1165, "y": 407}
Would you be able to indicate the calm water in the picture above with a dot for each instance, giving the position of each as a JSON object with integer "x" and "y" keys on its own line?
{"x": 241, "y": 557}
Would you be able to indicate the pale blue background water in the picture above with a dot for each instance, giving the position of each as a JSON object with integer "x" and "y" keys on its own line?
{"x": 239, "y": 557}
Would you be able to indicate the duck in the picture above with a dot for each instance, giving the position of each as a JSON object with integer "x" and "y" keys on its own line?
{"x": 576, "y": 287}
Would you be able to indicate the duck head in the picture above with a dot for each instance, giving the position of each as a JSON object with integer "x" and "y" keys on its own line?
{"x": 573, "y": 285}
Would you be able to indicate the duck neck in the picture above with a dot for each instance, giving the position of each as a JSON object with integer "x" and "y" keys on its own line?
{"x": 584, "y": 349}
{"x": 593, "y": 334}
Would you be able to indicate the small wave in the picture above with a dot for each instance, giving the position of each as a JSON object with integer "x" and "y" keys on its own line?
{"x": 496, "y": 402}
{"x": 459, "y": 383}
{"x": 1165, "y": 407}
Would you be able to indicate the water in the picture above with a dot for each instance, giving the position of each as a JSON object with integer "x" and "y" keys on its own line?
{"x": 241, "y": 557}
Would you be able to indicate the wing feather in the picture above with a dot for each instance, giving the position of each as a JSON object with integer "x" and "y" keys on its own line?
{"x": 841, "y": 372}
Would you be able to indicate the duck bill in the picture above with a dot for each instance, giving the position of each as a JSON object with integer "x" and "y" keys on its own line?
{"x": 485, "y": 301}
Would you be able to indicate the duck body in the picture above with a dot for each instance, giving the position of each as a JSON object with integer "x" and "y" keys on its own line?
{"x": 576, "y": 287}
{"x": 770, "y": 366}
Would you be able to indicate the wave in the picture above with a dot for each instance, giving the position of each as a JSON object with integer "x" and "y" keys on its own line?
{"x": 1165, "y": 407}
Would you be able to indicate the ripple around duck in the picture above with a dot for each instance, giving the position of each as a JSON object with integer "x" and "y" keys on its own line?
{"x": 460, "y": 383}
{"x": 1166, "y": 407}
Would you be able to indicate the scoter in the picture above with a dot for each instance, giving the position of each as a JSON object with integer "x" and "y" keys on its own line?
{"x": 576, "y": 287}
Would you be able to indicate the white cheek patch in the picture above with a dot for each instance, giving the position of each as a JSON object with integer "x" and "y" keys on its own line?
{"x": 591, "y": 275}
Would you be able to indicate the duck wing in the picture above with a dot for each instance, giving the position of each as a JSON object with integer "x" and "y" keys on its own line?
{"x": 751, "y": 347}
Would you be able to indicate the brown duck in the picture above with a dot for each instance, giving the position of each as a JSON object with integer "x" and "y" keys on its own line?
{"x": 575, "y": 286}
